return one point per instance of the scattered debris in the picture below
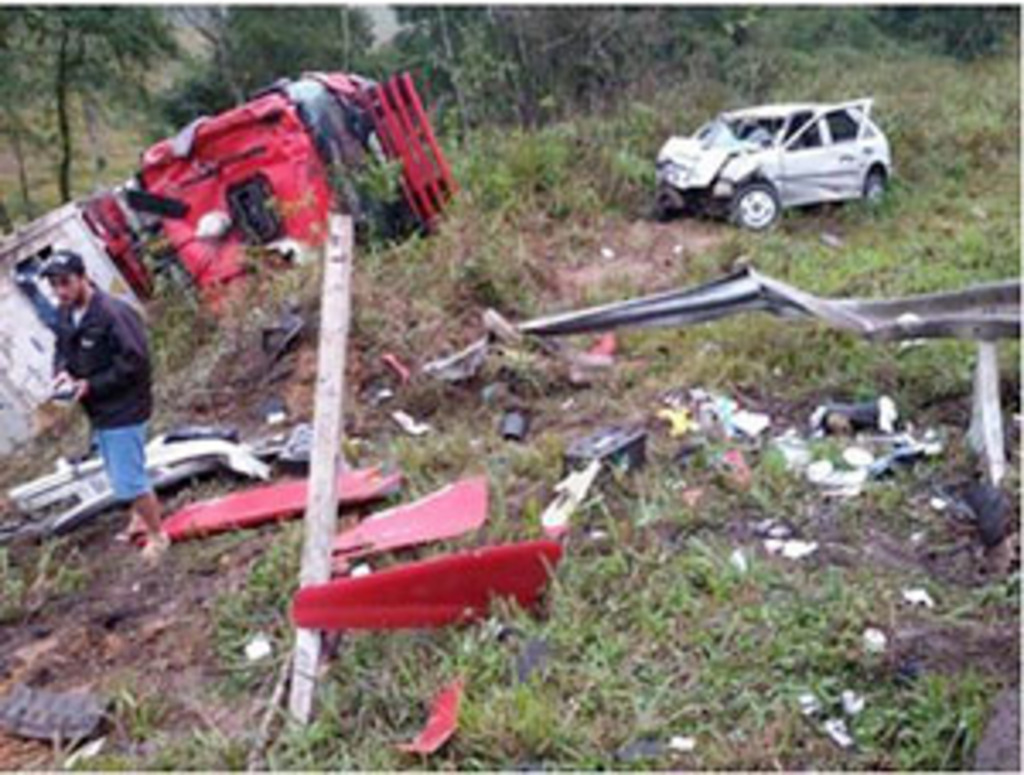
(450, 512)
(750, 424)
(277, 339)
(738, 560)
(272, 503)
(810, 705)
(858, 457)
(847, 419)
(622, 448)
(607, 254)
(794, 449)
(835, 483)
(532, 659)
(430, 593)
(830, 240)
(853, 703)
(295, 454)
(875, 641)
(836, 729)
(400, 369)
(90, 750)
(605, 347)
(40, 714)
(572, 491)
(82, 490)
(515, 424)
(938, 504)
(258, 648)
(274, 411)
(791, 549)
(360, 570)
(442, 723)
(736, 469)
(681, 744)
(918, 596)
(991, 509)
(692, 497)
(639, 750)
(410, 425)
(680, 420)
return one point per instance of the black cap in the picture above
(63, 263)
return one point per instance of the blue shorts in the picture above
(124, 459)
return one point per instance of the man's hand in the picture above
(67, 388)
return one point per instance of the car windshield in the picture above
(737, 133)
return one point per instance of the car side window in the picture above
(796, 123)
(811, 138)
(842, 126)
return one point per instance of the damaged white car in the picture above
(749, 164)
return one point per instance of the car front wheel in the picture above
(756, 206)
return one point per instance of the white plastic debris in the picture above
(598, 535)
(792, 549)
(362, 569)
(836, 729)
(853, 703)
(809, 704)
(408, 424)
(682, 744)
(939, 504)
(607, 253)
(918, 596)
(677, 250)
(794, 450)
(836, 484)
(858, 457)
(819, 471)
(917, 537)
(738, 560)
(571, 492)
(779, 531)
(875, 641)
(750, 424)
(90, 750)
(831, 240)
(258, 648)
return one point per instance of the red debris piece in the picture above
(443, 721)
(736, 469)
(447, 513)
(605, 346)
(275, 502)
(401, 370)
(432, 593)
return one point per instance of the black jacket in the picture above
(108, 349)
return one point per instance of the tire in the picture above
(875, 183)
(668, 204)
(756, 206)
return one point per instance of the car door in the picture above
(852, 153)
(811, 168)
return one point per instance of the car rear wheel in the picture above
(874, 186)
(668, 204)
(756, 206)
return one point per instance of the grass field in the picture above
(650, 629)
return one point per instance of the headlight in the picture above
(675, 175)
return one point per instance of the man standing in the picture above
(102, 362)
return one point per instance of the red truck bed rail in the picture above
(406, 135)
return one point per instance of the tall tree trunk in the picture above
(95, 135)
(63, 121)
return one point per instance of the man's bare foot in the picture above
(156, 546)
(136, 527)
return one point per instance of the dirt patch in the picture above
(644, 254)
(949, 649)
(999, 749)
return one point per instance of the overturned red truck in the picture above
(264, 174)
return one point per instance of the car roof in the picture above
(783, 109)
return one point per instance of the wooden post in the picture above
(986, 433)
(322, 504)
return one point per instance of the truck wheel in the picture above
(756, 206)
(874, 186)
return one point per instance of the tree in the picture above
(104, 53)
(249, 48)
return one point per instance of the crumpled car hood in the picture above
(700, 164)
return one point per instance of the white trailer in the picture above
(27, 305)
